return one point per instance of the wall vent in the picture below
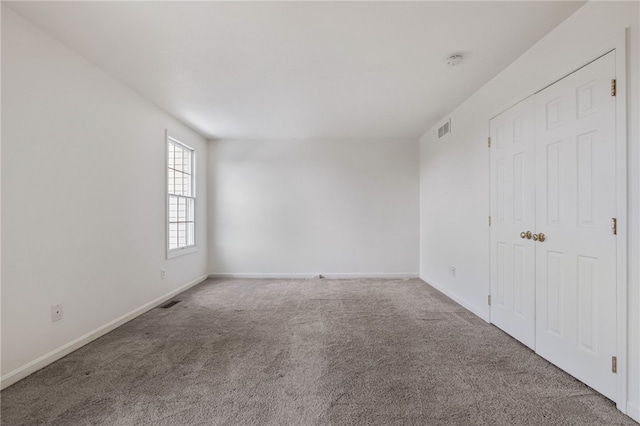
(444, 129)
(169, 304)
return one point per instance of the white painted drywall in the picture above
(287, 207)
(83, 198)
(454, 172)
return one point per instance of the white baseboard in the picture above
(264, 275)
(633, 411)
(385, 275)
(456, 298)
(37, 364)
(336, 276)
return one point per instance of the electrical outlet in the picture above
(56, 312)
(163, 274)
(452, 271)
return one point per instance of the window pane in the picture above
(182, 210)
(191, 210)
(190, 234)
(182, 237)
(173, 236)
(186, 161)
(171, 156)
(177, 183)
(177, 157)
(177, 180)
(170, 181)
(173, 209)
(185, 185)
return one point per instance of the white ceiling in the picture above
(300, 69)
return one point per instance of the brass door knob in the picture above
(523, 235)
(539, 237)
(528, 235)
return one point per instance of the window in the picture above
(181, 198)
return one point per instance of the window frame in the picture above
(180, 251)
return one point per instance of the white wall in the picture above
(287, 207)
(83, 200)
(454, 172)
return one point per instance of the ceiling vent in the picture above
(444, 129)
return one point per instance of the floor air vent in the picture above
(169, 304)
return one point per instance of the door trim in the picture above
(622, 141)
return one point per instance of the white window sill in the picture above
(181, 252)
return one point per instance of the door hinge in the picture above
(489, 142)
(614, 226)
(489, 220)
(613, 87)
(614, 364)
(489, 300)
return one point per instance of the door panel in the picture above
(575, 192)
(512, 212)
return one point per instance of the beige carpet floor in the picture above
(306, 352)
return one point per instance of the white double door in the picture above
(553, 251)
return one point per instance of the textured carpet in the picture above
(306, 352)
